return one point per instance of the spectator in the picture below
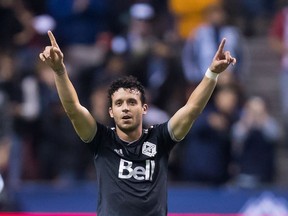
(201, 45)
(255, 137)
(11, 91)
(83, 29)
(79, 21)
(139, 36)
(160, 67)
(206, 153)
(5, 137)
(58, 157)
(16, 28)
(256, 14)
(5, 149)
(189, 15)
(278, 40)
(160, 71)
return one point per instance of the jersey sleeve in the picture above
(95, 143)
(167, 141)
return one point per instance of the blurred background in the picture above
(236, 153)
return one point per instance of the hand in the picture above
(53, 56)
(221, 59)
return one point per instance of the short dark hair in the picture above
(126, 82)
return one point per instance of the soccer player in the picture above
(131, 162)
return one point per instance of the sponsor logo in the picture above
(127, 170)
(149, 149)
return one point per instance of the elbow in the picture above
(70, 113)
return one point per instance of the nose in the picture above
(125, 107)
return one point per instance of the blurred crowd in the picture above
(168, 45)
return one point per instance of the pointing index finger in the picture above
(221, 46)
(52, 39)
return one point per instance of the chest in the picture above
(139, 161)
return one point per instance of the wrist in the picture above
(60, 71)
(211, 75)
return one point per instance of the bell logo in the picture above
(127, 171)
(149, 149)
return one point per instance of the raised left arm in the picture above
(182, 121)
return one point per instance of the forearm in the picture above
(183, 119)
(200, 96)
(82, 120)
(66, 92)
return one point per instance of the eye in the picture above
(132, 102)
(118, 103)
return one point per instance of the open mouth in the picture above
(126, 117)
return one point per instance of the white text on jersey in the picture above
(127, 171)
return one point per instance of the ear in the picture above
(145, 109)
(111, 112)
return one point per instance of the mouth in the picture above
(126, 117)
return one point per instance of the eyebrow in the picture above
(128, 99)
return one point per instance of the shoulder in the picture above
(103, 132)
(104, 136)
(163, 132)
(156, 127)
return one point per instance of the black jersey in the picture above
(132, 178)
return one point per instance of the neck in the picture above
(129, 136)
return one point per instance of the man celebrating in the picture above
(131, 162)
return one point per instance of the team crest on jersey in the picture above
(149, 149)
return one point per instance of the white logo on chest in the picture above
(149, 149)
(128, 170)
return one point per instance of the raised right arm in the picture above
(82, 120)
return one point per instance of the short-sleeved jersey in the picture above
(132, 177)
